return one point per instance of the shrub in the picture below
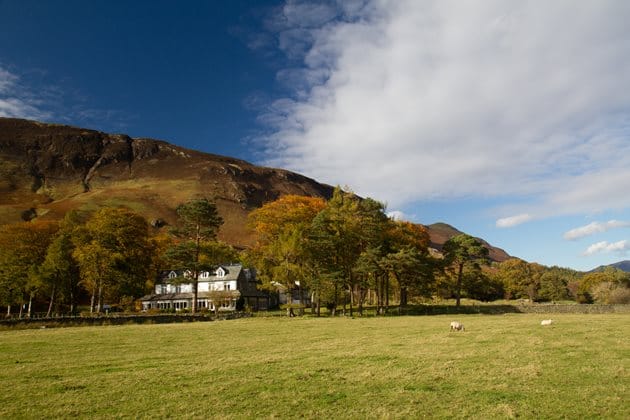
(619, 296)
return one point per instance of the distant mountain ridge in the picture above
(49, 169)
(621, 265)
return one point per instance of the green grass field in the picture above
(502, 366)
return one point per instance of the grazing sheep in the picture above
(457, 326)
(546, 322)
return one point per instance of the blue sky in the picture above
(506, 119)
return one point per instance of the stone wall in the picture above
(79, 321)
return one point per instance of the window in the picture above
(226, 286)
(178, 288)
(220, 272)
(163, 289)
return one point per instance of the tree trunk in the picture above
(93, 300)
(99, 298)
(387, 294)
(8, 310)
(458, 288)
(195, 286)
(21, 310)
(72, 309)
(360, 307)
(350, 289)
(289, 303)
(52, 299)
(403, 296)
(30, 305)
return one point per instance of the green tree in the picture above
(346, 228)
(408, 260)
(199, 222)
(463, 251)
(554, 284)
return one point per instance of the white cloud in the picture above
(413, 100)
(593, 228)
(606, 247)
(17, 101)
(512, 221)
(397, 215)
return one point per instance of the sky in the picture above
(507, 119)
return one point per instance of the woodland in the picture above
(342, 253)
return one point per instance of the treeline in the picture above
(105, 256)
(346, 252)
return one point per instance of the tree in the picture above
(59, 270)
(281, 252)
(461, 251)
(346, 228)
(199, 222)
(114, 254)
(553, 285)
(22, 250)
(408, 259)
(597, 286)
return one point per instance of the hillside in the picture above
(48, 169)
(621, 265)
(439, 233)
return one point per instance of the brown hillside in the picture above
(47, 169)
(439, 233)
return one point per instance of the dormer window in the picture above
(205, 274)
(220, 272)
(172, 275)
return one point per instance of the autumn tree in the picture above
(199, 222)
(520, 278)
(114, 254)
(22, 250)
(281, 253)
(60, 271)
(598, 285)
(463, 251)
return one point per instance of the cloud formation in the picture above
(18, 101)
(410, 100)
(605, 247)
(512, 221)
(397, 215)
(593, 228)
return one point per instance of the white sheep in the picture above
(457, 326)
(546, 322)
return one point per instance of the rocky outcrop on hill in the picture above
(47, 169)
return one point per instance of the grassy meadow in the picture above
(502, 366)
